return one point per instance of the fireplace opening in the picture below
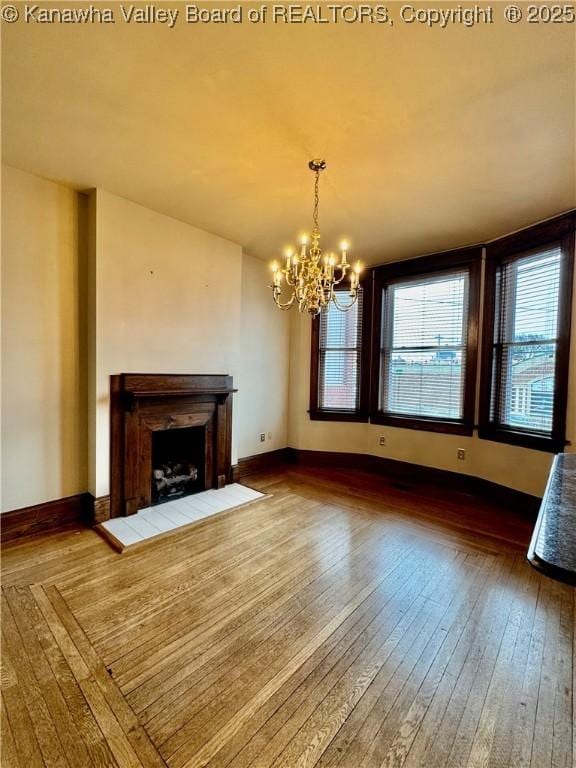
(178, 461)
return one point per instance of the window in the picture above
(340, 349)
(406, 354)
(424, 353)
(426, 358)
(527, 338)
(338, 390)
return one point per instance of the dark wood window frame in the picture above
(467, 258)
(330, 414)
(559, 230)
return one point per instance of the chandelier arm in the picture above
(283, 305)
(344, 307)
(343, 275)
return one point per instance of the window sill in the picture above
(327, 415)
(426, 425)
(522, 439)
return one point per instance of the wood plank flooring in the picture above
(340, 622)
(60, 706)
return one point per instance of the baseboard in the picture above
(413, 476)
(83, 509)
(49, 516)
(99, 509)
(405, 474)
(261, 462)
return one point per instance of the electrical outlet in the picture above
(262, 437)
(382, 441)
(462, 454)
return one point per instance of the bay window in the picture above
(526, 336)
(406, 354)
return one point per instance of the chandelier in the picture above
(308, 278)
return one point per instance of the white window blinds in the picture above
(340, 349)
(525, 341)
(423, 354)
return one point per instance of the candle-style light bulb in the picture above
(355, 276)
(344, 245)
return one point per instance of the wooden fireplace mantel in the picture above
(142, 403)
(178, 392)
(147, 384)
(129, 395)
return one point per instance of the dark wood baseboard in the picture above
(49, 516)
(261, 462)
(100, 509)
(83, 509)
(409, 476)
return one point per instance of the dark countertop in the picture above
(553, 547)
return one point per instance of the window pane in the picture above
(429, 313)
(339, 329)
(340, 357)
(528, 386)
(339, 380)
(426, 384)
(532, 301)
(525, 342)
(423, 355)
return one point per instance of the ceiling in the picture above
(434, 138)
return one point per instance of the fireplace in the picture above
(170, 436)
(178, 457)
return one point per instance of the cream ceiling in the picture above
(434, 138)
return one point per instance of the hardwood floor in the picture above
(340, 622)
(60, 706)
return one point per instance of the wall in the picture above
(43, 400)
(262, 402)
(95, 285)
(520, 468)
(166, 300)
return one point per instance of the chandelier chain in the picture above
(316, 201)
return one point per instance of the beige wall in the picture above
(43, 405)
(167, 300)
(99, 285)
(262, 402)
(520, 468)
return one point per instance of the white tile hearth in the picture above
(154, 521)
